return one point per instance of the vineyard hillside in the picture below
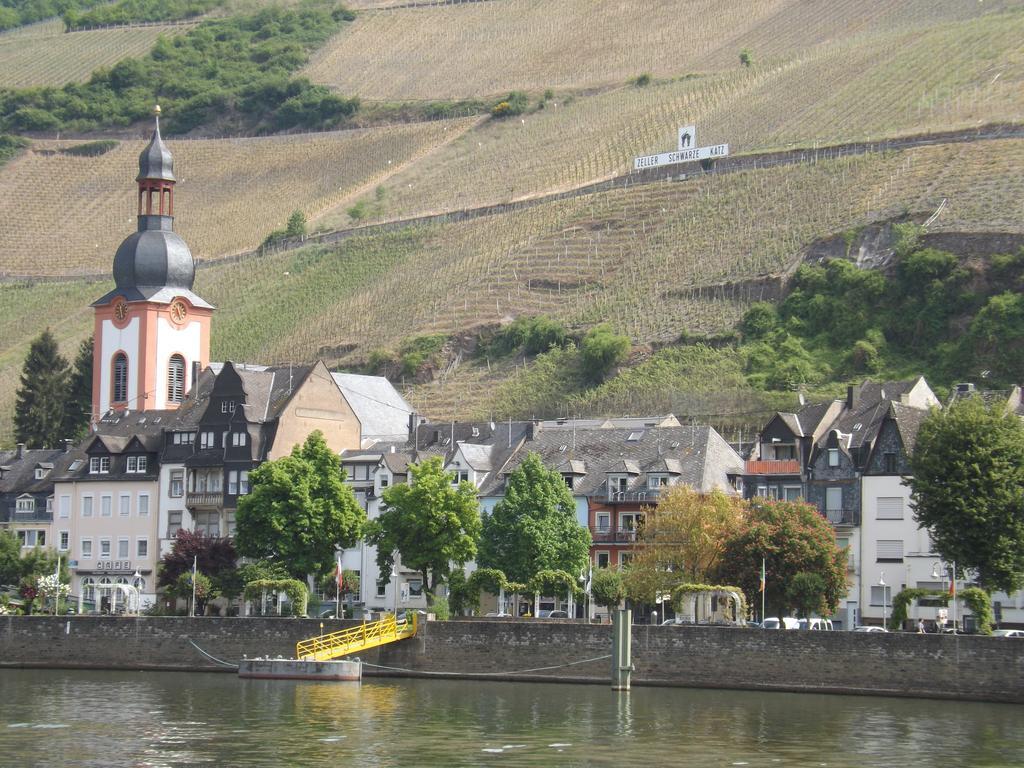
(655, 260)
(44, 54)
(464, 50)
(231, 192)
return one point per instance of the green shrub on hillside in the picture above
(516, 103)
(237, 68)
(128, 11)
(91, 148)
(416, 352)
(532, 335)
(15, 13)
(602, 350)
(9, 146)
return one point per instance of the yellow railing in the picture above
(367, 635)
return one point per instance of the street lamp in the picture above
(394, 582)
(881, 583)
(137, 583)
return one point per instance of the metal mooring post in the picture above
(622, 659)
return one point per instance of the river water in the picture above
(77, 718)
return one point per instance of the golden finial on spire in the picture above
(156, 110)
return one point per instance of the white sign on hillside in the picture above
(682, 156)
(687, 137)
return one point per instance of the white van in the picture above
(786, 622)
(819, 625)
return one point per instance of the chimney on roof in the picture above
(68, 443)
(853, 395)
(195, 374)
(21, 451)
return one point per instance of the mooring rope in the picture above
(212, 658)
(476, 674)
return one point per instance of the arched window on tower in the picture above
(120, 393)
(176, 379)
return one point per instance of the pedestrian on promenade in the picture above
(920, 626)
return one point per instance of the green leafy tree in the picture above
(79, 402)
(534, 527)
(967, 490)
(10, 558)
(607, 588)
(746, 59)
(682, 541)
(793, 538)
(806, 592)
(39, 412)
(299, 511)
(296, 224)
(431, 523)
(601, 350)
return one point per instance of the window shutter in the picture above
(890, 549)
(890, 507)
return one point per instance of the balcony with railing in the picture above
(772, 467)
(213, 499)
(638, 495)
(843, 516)
(613, 535)
(21, 516)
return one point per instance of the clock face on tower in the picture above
(178, 311)
(120, 310)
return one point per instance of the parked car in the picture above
(673, 622)
(558, 615)
(1008, 633)
(498, 615)
(786, 622)
(869, 628)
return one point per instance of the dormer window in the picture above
(657, 481)
(833, 457)
(136, 464)
(889, 463)
(99, 465)
(25, 504)
(207, 439)
(569, 480)
(618, 484)
(227, 406)
(184, 438)
(40, 473)
(238, 439)
(460, 476)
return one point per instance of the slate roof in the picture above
(908, 422)
(859, 425)
(613, 422)
(116, 431)
(382, 412)
(703, 458)
(19, 475)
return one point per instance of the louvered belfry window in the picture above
(176, 379)
(120, 378)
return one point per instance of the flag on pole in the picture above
(760, 587)
(337, 575)
(952, 585)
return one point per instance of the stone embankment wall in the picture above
(964, 667)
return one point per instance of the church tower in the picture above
(151, 329)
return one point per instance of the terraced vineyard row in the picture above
(474, 49)
(655, 260)
(231, 192)
(43, 54)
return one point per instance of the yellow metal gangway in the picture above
(361, 638)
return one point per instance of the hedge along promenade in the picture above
(963, 667)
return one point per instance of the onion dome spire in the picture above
(156, 162)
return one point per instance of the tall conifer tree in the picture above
(42, 397)
(79, 404)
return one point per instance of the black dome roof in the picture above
(154, 256)
(155, 161)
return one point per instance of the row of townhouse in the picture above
(850, 458)
(616, 469)
(112, 504)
